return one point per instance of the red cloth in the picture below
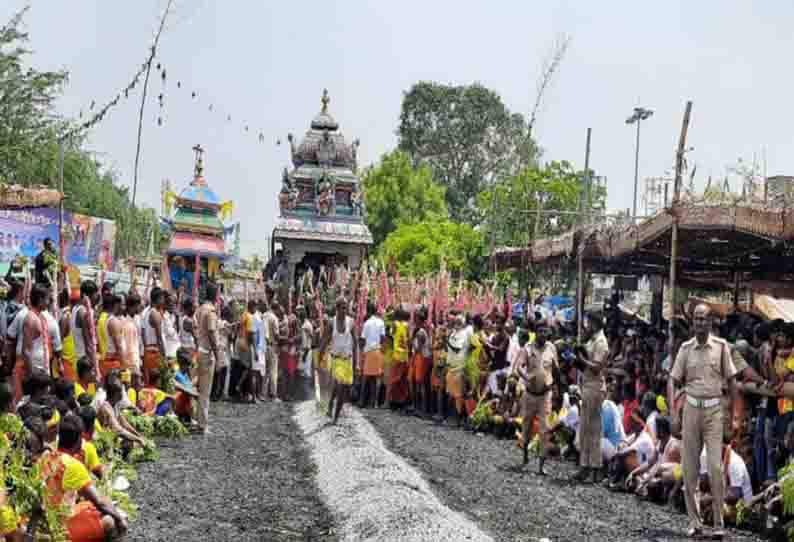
(85, 524)
(288, 362)
(628, 409)
(421, 368)
(398, 382)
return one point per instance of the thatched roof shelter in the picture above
(714, 240)
(21, 197)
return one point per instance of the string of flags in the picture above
(193, 96)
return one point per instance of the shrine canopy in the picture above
(321, 202)
(197, 224)
(190, 244)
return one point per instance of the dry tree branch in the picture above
(550, 66)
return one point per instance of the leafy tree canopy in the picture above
(29, 147)
(27, 98)
(400, 194)
(509, 207)
(467, 136)
(418, 249)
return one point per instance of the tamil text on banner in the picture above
(89, 240)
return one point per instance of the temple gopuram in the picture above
(321, 220)
(197, 247)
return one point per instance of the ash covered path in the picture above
(267, 472)
(477, 475)
(250, 480)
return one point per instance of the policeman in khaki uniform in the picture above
(536, 371)
(593, 387)
(702, 367)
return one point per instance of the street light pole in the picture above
(640, 114)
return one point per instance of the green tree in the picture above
(510, 206)
(467, 136)
(29, 148)
(27, 100)
(418, 249)
(400, 194)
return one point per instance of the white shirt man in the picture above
(373, 332)
(738, 476)
(307, 333)
(260, 363)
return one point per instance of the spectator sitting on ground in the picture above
(110, 417)
(737, 481)
(152, 401)
(183, 402)
(567, 427)
(633, 454)
(665, 477)
(89, 455)
(65, 392)
(93, 517)
(86, 378)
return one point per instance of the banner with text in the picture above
(89, 240)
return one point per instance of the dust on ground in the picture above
(251, 479)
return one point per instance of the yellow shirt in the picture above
(102, 332)
(90, 456)
(246, 327)
(132, 395)
(400, 350)
(80, 390)
(782, 368)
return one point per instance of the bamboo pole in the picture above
(679, 163)
(152, 54)
(580, 261)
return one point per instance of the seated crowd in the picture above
(522, 380)
(75, 368)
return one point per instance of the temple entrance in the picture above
(316, 260)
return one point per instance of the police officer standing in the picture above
(704, 365)
(594, 362)
(536, 371)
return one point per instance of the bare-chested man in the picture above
(152, 330)
(116, 347)
(35, 338)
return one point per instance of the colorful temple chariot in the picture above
(197, 248)
(321, 220)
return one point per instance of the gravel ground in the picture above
(374, 494)
(480, 476)
(250, 480)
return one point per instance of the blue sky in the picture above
(265, 64)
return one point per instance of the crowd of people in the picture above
(82, 362)
(661, 417)
(673, 429)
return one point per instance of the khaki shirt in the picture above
(598, 351)
(703, 369)
(540, 364)
(207, 320)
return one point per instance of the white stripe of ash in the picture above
(373, 494)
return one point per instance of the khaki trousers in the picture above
(272, 370)
(205, 373)
(590, 430)
(702, 426)
(540, 406)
